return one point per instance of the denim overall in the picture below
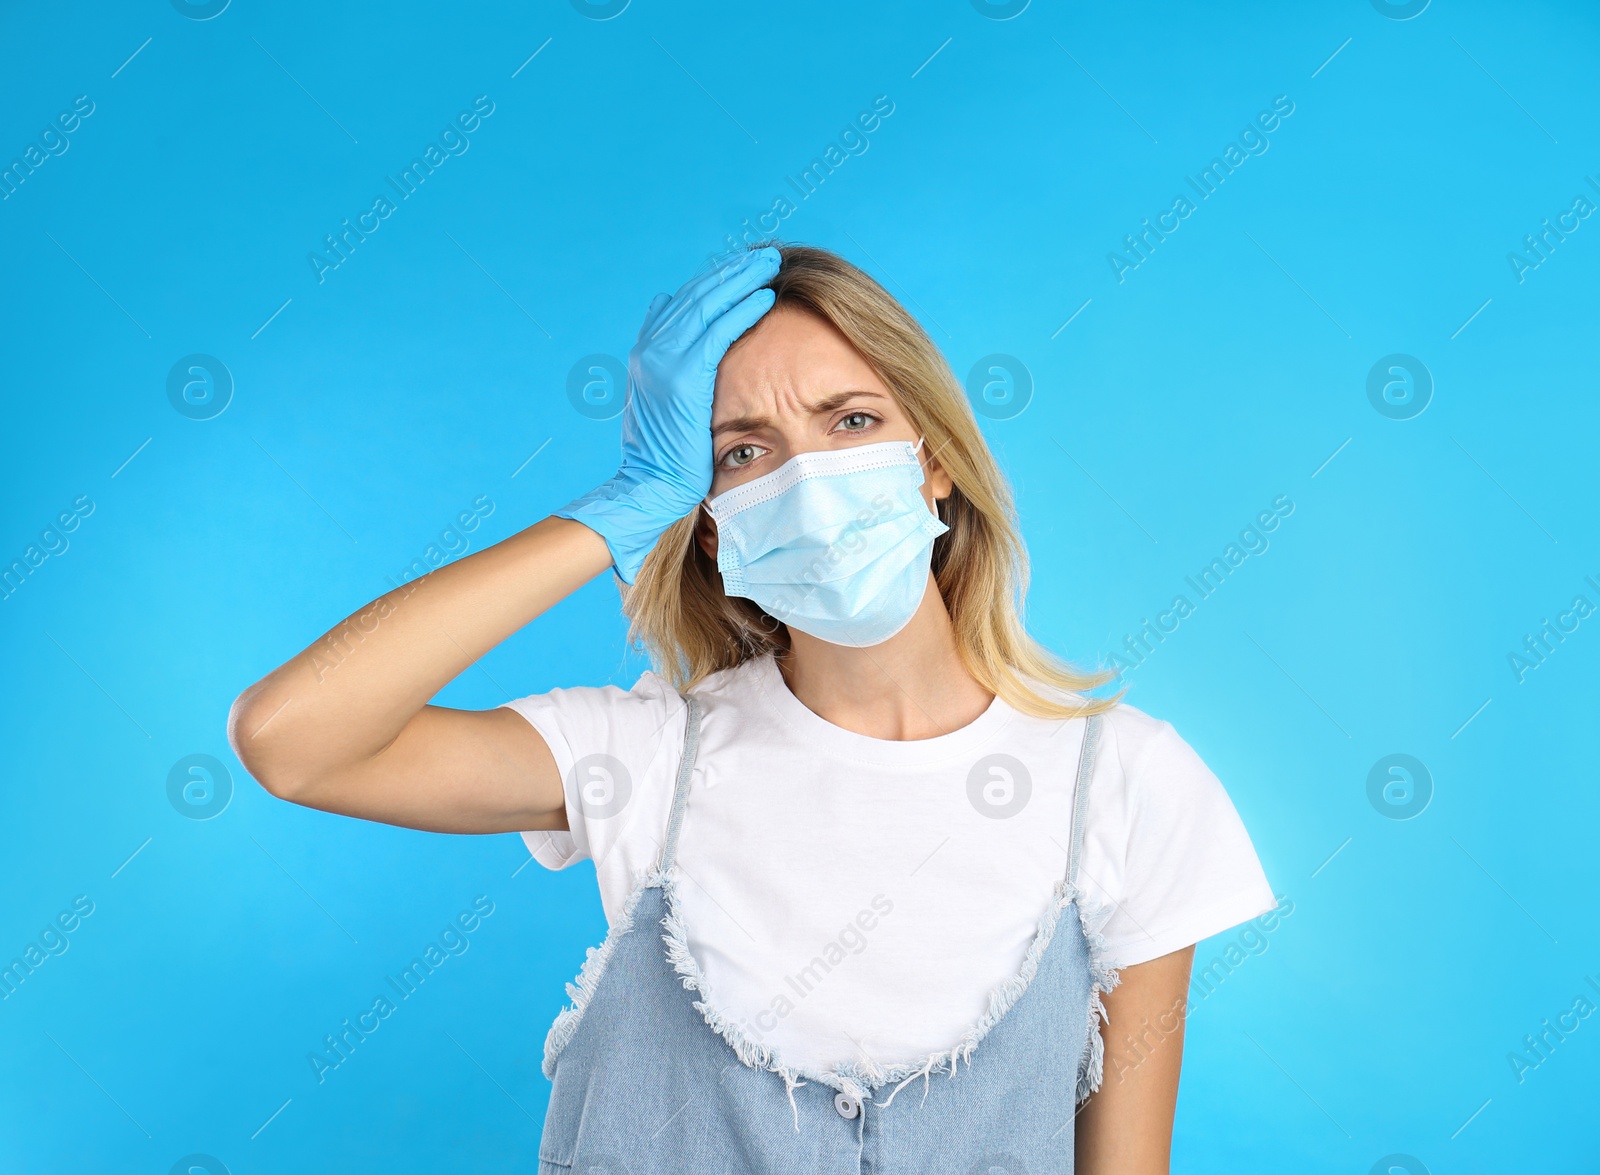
(650, 1079)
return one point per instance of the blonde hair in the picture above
(676, 606)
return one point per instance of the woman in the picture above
(860, 833)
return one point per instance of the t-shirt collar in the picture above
(816, 732)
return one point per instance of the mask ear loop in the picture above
(938, 503)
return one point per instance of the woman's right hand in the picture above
(666, 423)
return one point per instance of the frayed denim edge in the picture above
(856, 1081)
(1102, 978)
(859, 1080)
(582, 991)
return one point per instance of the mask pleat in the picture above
(836, 544)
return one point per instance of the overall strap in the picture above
(680, 793)
(1080, 801)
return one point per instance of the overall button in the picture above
(847, 1106)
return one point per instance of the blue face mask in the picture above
(835, 543)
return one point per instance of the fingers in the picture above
(722, 333)
(705, 297)
(762, 268)
(656, 305)
(721, 270)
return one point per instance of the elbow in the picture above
(258, 746)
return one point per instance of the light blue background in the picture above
(423, 372)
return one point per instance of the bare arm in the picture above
(1125, 1128)
(345, 726)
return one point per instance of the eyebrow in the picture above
(829, 403)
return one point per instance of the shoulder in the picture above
(1147, 747)
(630, 724)
(641, 726)
(732, 692)
(1149, 784)
(615, 749)
(1166, 856)
(650, 691)
(732, 683)
(1129, 738)
(1134, 728)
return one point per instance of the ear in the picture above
(705, 532)
(937, 483)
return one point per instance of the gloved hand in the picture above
(666, 421)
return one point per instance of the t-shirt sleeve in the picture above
(1165, 851)
(608, 744)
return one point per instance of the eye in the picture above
(857, 421)
(741, 455)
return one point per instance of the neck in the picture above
(912, 686)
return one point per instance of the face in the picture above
(793, 384)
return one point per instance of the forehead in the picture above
(790, 352)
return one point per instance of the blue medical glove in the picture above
(666, 421)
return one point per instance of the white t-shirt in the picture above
(849, 897)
